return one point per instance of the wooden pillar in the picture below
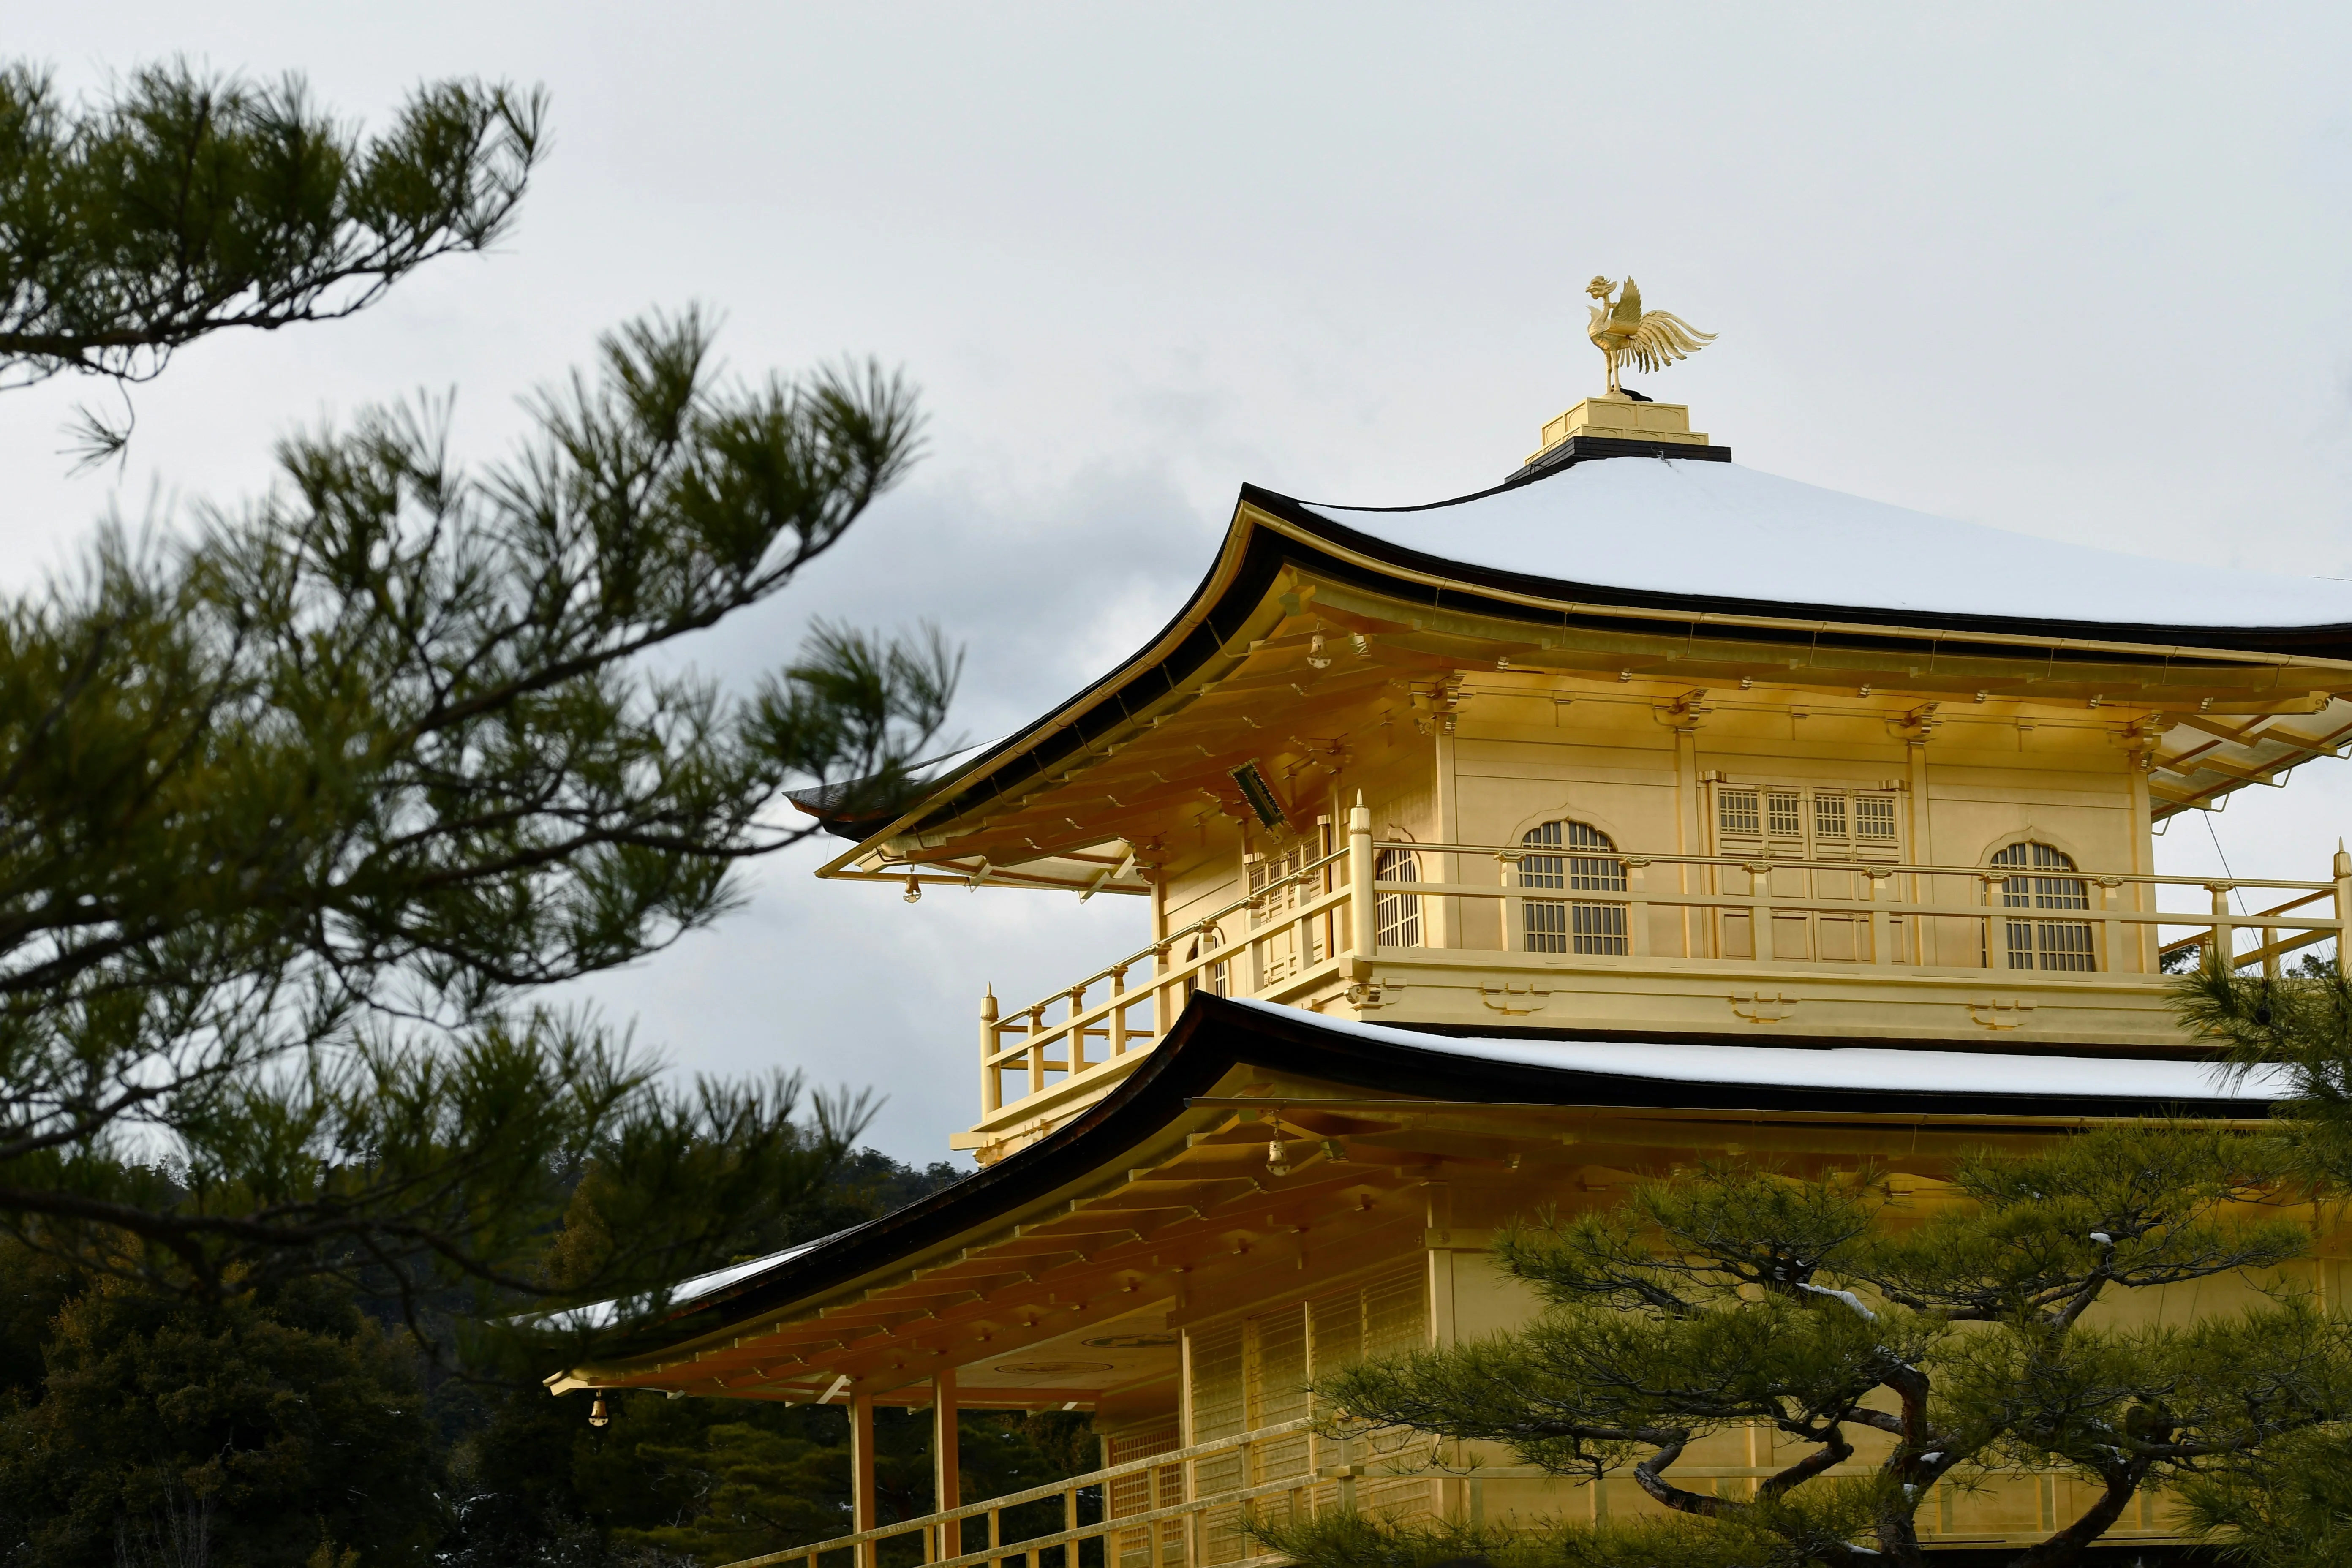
(2341, 868)
(1363, 904)
(1690, 825)
(862, 1513)
(947, 1475)
(1440, 918)
(1439, 1216)
(1923, 853)
(2145, 937)
(992, 1083)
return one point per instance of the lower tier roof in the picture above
(1219, 1045)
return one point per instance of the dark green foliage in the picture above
(306, 808)
(1786, 1532)
(306, 802)
(1964, 1336)
(2294, 1509)
(714, 1479)
(2301, 1023)
(114, 1401)
(719, 1482)
(184, 203)
(263, 1425)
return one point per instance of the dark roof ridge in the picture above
(1215, 1035)
(1537, 472)
(2287, 641)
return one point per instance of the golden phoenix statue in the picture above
(1648, 339)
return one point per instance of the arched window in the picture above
(1214, 979)
(2043, 944)
(1555, 926)
(1397, 915)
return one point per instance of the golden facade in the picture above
(1641, 810)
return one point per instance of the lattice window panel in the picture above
(2040, 944)
(1247, 1376)
(1162, 1487)
(1398, 915)
(1807, 822)
(1219, 1395)
(1277, 889)
(1277, 1389)
(1820, 823)
(1217, 978)
(1559, 926)
(1384, 1316)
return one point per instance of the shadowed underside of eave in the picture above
(1164, 1179)
(1305, 635)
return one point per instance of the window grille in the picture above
(1572, 927)
(1276, 887)
(1268, 871)
(1213, 979)
(1873, 817)
(1276, 1374)
(1398, 914)
(1805, 821)
(2043, 943)
(1384, 1316)
(1735, 813)
(1144, 1491)
(1220, 1368)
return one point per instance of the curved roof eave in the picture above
(1215, 1035)
(2331, 641)
(1237, 578)
(1167, 646)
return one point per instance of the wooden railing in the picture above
(1325, 917)
(1318, 1468)
(1224, 955)
(1192, 1512)
(2116, 904)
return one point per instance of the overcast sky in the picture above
(2077, 271)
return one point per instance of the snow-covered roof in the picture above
(1864, 1067)
(605, 1314)
(1718, 530)
(1217, 1035)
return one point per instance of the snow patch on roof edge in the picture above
(1866, 1067)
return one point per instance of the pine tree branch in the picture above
(2065, 1547)
(1834, 1451)
(1649, 1474)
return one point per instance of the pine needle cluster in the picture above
(1894, 1343)
(310, 799)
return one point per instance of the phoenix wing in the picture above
(1662, 338)
(1628, 312)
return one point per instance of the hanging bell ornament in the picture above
(597, 1414)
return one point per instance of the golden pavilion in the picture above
(1643, 809)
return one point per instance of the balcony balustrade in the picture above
(1188, 1508)
(1992, 938)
